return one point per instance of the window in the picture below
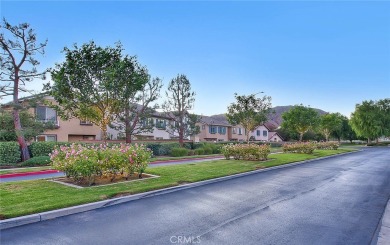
(234, 130)
(159, 138)
(203, 127)
(239, 131)
(52, 137)
(221, 130)
(85, 122)
(161, 124)
(221, 140)
(265, 133)
(258, 132)
(46, 114)
(212, 129)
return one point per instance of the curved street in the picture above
(339, 200)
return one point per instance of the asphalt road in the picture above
(333, 201)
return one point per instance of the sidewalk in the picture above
(384, 232)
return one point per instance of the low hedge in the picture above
(246, 151)
(330, 145)
(36, 161)
(303, 147)
(179, 152)
(9, 153)
(44, 148)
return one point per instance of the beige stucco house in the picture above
(64, 130)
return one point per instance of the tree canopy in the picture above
(249, 111)
(300, 119)
(94, 83)
(180, 99)
(371, 119)
(329, 123)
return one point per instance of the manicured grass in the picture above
(27, 197)
(185, 157)
(23, 170)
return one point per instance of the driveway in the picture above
(332, 201)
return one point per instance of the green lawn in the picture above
(28, 197)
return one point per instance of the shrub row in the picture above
(303, 147)
(9, 153)
(246, 151)
(309, 147)
(179, 152)
(327, 145)
(36, 161)
(85, 163)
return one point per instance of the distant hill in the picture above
(279, 110)
(274, 120)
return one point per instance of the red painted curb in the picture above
(182, 160)
(3, 176)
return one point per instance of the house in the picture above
(261, 133)
(216, 128)
(160, 131)
(274, 137)
(64, 130)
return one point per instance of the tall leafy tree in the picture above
(19, 46)
(300, 119)
(249, 111)
(92, 83)
(371, 119)
(384, 116)
(345, 131)
(329, 123)
(180, 99)
(137, 104)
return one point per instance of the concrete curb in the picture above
(23, 220)
(384, 232)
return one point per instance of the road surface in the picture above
(332, 201)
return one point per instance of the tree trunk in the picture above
(327, 137)
(368, 141)
(104, 130)
(300, 137)
(247, 136)
(18, 126)
(181, 137)
(127, 125)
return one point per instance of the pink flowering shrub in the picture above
(330, 145)
(301, 147)
(88, 162)
(246, 151)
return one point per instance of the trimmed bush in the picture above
(36, 161)
(304, 147)
(179, 152)
(85, 163)
(199, 151)
(162, 149)
(246, 151)
(9, 153)
(208, 150)
(44, 148)
(327, 145)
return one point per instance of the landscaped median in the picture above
(29, 197)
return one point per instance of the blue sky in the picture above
(329, 55)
